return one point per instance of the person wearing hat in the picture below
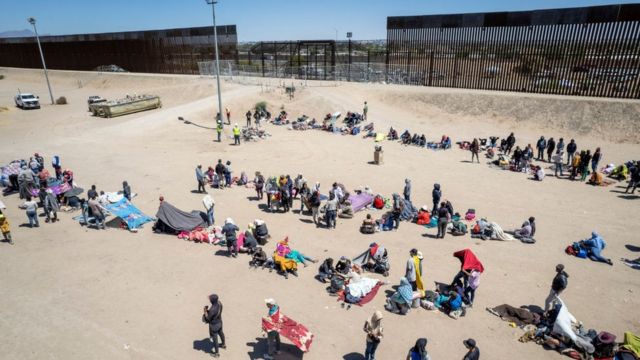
(213, 316)
(559, 283)
(473, 352)
(373, 328)
(229, 231)
(219, 130)
(273, 337)
(236, 134)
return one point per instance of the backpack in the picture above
(476, 229)
(337, 283)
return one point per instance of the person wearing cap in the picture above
(373, 328)
(236, 134)
(213, 316)
(219, 130)
(229, 231)
(419, 351)
(559, 283)
(473, 352)
(273, 337)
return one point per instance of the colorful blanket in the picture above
(297, 333)
(360, 201)
(128, 213)
(57, 189)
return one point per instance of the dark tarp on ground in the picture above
(519, 316)
(171, 218)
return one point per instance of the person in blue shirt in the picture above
(419, 351)
(594, 247)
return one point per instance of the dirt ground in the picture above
(67, 292)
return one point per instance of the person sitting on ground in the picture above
(259, 258)
(393, 134)
(346, 211)
(458, 227)
(450, 304)
(445, 142)
(250, 243)
(594, 247)
(343, 265)
(326, 270)
(368, 225)
(400, 302)
(424, 216)
(260, 231)
(285, 265)
(283, 249)
(526, 231)
(406, 137)
(539, 173)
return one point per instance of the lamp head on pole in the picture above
(31, 20)
(211, 2)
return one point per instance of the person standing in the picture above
(365, 110)
(248, 115)
(443, 220)
(236, 134)
(472, 284)
(559, 283)
(634, 179)
(200, 178)
(373, 329)
(229, 231)
(407, 189)
(331, 211)
(209, 205)
(558, 161)
(584, 165)
(219, 130)
(273, 336)
(31, 207)
(227, 173)
(473, 352)
(560, 146)
(5, 228)
(51, 205)
(220, 171)
(551, 146)
(541, 145)
(595, 160)
(475, 150)
(315, 202)
(228, 115)
(511, 140)
(419, 351)
(413, 270)
(571, 149)
(396, 212)
(436, 195)
(213, 316)
(259, 184)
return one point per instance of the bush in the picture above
(61, 101)
(261, 106)
(1, 77)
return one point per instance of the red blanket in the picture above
(469, 260)
(297, 333)
(365, 299)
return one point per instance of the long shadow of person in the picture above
(260, 348)
(205, 345)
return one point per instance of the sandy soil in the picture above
(71, 293)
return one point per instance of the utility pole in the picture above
(215, 45)
(349, 35)
(32, 21)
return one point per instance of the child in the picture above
(4, 227)
(470, 290)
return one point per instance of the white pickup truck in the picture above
(27, 101)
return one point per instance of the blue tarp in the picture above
(128, 213)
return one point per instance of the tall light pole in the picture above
(32, 21)
(215, 45)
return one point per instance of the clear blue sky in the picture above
(256, 19)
